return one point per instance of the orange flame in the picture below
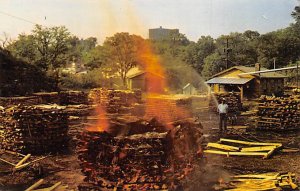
(164, 108)
(155, 75)
(102, 122)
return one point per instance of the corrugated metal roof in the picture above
(228, 80)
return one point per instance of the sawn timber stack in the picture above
(275, 113)
(33, 129)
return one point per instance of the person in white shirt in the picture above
(222, 109)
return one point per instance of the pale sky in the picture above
(103, 18)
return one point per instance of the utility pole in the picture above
(297, 79)
(227, 50)
(227, 53)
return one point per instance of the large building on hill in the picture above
(249, 85)
(161, 33)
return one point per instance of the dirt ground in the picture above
(213, 168)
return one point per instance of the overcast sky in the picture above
(103, 18)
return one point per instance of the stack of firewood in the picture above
(278, 113)
(233, 100)
(73, 97)
(33, 129)
(110, 162)
(115, 101)
(147, 161)
(7, 101)
(48, 97)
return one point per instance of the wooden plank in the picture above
(54, 187)
(247, 153)
(14, 153)
(35, 185)
(7, 162)
(23, 160)
(249, 143)
(272, 175)
(223, 147)
(263, 148)
(236, 153)
(22, 166)
(269, 154)
(216, 152)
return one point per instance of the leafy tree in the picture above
(196, 52)
(212, 65)
(121, 51)
(45, 48)
(52, 45)
(80, 48)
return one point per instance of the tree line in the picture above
(50, 49)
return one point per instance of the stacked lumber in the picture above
(276, 113)
(115, 101)
(242, 148)
(7, 101)
(48, 97)
(145, 161)
(73, 97)
(265, 181)
(130, 161)
(33, 129)
(232, 99)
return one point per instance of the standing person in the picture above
(222, 109)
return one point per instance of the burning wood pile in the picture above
(33, 129)
(115, 101)
(147, 161)
(275, 113)
(233, 100)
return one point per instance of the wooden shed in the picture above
(189, 89)
(145, 81)
(249, 85)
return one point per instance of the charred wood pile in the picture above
(115, 101)
(147, 161)
(168, 109)
(233, 100)
(276, 113)
(33, 129)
